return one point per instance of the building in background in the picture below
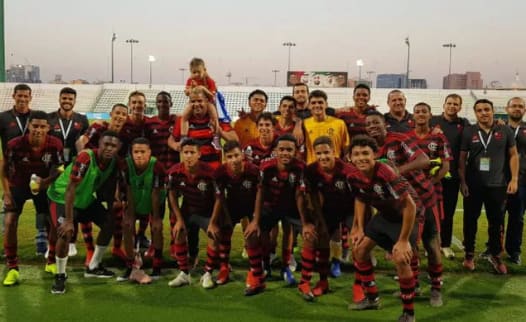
(23, 74)
(391, 81)
(469, 80)
(418, 83)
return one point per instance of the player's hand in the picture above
(297, 132)
(242, 114)
(357, 236)
(178, 228)
(252, 228)
(8, 200)
(403, 248)
(64, 228)
(309, 231)
(512, 187)
(436, 130)
(213, 231)
(464, 189)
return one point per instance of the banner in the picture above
(317, 79)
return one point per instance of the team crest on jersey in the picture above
(330, 131)
(498, 135)
(378, 190)
(292, 178)
(46, 158)
(340, 185)
(202, 186)
(475, 139)
(391, 154)
(247, 184)
(432, 146)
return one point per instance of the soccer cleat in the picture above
(126, 276)
(515, 259)
(306, 291)
(335, 268)
(89, 255)
(41, 248)
(207, 281)
(12, 277)
(156, 273)
(293, 265)
(267, 271)
(406, 317)
(435, 299)
(322, 287)
(254, 285)
(448, 252)
(366, 304)
(223, 276)
(485, 254)
(469, 263)
(51, 268)
(498, 265)
(149, 252)
(98, 272)
(358, 294)
(119, 253)
(288, 277)
(59, 285)
(72, 251)
(144, 243)
(181, 280)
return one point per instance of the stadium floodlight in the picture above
(131, 42)
(359, 63)
(450, 46)
(275, 71)
(113, 38)
(182, 74)
(408, 52)
(290, 45)
(151, 60)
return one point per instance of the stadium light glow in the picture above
(359, 63)
(290, 45)
(151, 60)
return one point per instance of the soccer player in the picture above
(392, 228)
(516, 202)
(13, 123)
(72, 197)
(35, 153)
(245, 126)
(259, 149)
(68, 126)
(452, 126)
(332, 199)
(398, 119)
(354, 117)
(280, 197)
(300, 92)
(142, 180)
(237, 181)
(488, 153)
(322, 124)
(193, 180)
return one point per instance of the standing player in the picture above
(193, 180)
(72, 197)
(259, 149)
(392, 228)
(245, 126)
(398, 119)
(35, 153)
(68, 126)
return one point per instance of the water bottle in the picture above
(34, 185)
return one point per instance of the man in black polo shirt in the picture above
(300, 92)
(516, 202)
(487, 153)
(398, 119)
(68, 126)
(13, 123)
(452, 126)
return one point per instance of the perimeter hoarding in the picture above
(317, 79)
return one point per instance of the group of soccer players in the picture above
(349, 178)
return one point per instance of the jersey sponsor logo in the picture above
(275, 179)
(155, 131)
(202, 186)
(340, 185)
(247, 184)
(432, 146)
(77, 125)
(292, 178)
(378, 190)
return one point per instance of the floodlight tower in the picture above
(2, 43)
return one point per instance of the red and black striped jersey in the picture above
(258, 153)
(385, 191)
(279, 131)
(401, 149)
(157, 132)
(22, 161)
(355, 121)
(129, 132)
(198, 191)
(239, 191)
(94, 133)
(280, 187)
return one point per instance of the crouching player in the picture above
(280, 197)
(392, 228)
(194, 181)
(237, 180)
(142, 180)
(332, 201)
(72, 198)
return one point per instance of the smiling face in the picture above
(199, 104)
(163, 104)
(257, 103)
(317, 106)
(38, 130)
(422, 115)
(119, 115)
(265, 129)
(22, 99)
(375, 126)
(287, 109)
(325, 156)
(452, 107)
(361, 97)
(137, 103)
(516, 109)
(396, 102)
(285, 151)
(484, 114)
(66, 101)
(363, 158)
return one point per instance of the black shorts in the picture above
(94, 213)
(432, 219)
(197, 221)
(237, 214)
(22, 194)
(269, 219)
(386, 233)
(333, 221)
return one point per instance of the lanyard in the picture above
(65, 133)
(22, 128)
(516, 132)
(485, 143)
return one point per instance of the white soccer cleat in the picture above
(72, 250)
(181, 280)
(206, 281)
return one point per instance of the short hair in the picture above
(68, 90)
(119, 105)
(300, 84)
(455, 96)
(195, 62)
(258, 92)
(483, 101)
(140, 140)
(288, 98)
(21, 87)
(394, 91)
(515, 98)
(363, 141)
(318, 93)
(423, 104)
(372, 112)
(198, 90)
(38, 115)
(266, 116)
(136, 93)
(287, 138)
(361, 85)
(164, 93)
(110, 133)
(231, 145)
(190, 142)
(323, 140)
